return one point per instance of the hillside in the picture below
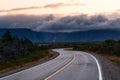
(79, 36)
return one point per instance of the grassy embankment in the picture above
(26, 61)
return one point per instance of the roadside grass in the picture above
(22, 61)
(113, 58)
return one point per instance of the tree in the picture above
(7, 37)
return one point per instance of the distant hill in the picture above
(79, 36)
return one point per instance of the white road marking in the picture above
(99, 68)
(61, 69)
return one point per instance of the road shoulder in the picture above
(110, 69)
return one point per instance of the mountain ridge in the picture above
(76, 36)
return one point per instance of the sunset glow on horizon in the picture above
(59, 7)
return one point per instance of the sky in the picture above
(60, 15)
(58, 7)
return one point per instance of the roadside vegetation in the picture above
(109, 49)
(17, 52)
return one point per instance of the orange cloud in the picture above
(16, 9)
(52, 6)
(118, 11)
(58, 5)
(19, 9)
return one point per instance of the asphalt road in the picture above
(69, 65)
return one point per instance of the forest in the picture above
(15, 51)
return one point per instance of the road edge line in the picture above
(98, 66)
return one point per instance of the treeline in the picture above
(108, 47)
(15, 51)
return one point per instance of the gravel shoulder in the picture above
(111, 70)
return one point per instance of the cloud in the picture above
(23, 21)
(58, 5)
(118, 10)
(19, 9)
(52, 6)
(51, 23)
(114, 15)
(74, 23)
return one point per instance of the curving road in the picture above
(69, 65)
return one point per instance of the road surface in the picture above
(69, 65)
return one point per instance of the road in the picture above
(69, 65)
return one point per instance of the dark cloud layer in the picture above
(52, 24)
